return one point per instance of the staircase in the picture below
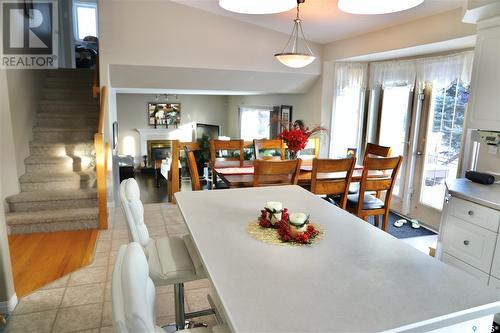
(58, 190)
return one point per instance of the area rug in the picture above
(406, 231)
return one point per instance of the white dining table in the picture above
(357, 278)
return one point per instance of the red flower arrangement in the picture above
(283, 228)
(296, 138)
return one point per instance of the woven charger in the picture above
(270, 235)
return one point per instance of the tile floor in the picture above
(81, 301)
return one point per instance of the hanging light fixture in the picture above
(372, 7)
(290, 56)
(257, 6)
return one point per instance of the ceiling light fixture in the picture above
(373, 7)
(293, 58)
(257, 6)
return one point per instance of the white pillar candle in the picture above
(274, 206)
(297, 219)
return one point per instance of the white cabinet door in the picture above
(483, 111)
(469, 243)
(481, 276)
(495, 267)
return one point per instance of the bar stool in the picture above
(171, 260)
(133, 295)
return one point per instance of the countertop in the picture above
(357, 278)
(485, 195)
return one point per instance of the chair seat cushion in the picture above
(169, 261)
(353, 188)
(369, 201)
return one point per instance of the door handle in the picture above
(419, 153)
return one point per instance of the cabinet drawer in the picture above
(452, 261)
(468, 211)
(494, 284)
(469, 243)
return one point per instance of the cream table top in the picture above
(356, 279)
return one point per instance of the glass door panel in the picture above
(394, 124)
(443, 142)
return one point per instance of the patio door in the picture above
(394, 130)
(438, 149)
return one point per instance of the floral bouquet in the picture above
(296, 138)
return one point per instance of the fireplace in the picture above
(158, 150)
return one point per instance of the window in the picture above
(346, 122)
(255, 123)
(85, 19)
(348, 107)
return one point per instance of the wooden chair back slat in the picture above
(268, 173)
(374, 150)
(218, 145)
(193, 169)
(332, 177)
(173, 175)
(274, 144)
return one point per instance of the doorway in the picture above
(425, 126)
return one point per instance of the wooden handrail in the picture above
(95, 81)
(102, 109)
(101, 155)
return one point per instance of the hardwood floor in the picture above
(38, 259)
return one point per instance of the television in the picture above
(212, 131)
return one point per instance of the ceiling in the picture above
(324, 22)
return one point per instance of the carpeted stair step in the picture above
(71, 72)
(68, 108)
(51, 200)
(85, 149)
(66, 94)
(67, 122)
(57, 134)
(52, 220)
(67, 83)
(70, 102)
(54, 181)
(49, 164)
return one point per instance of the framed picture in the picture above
(286, 115)
(164, 114)
(115, 135)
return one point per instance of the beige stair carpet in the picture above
(58, 189)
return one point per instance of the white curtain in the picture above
(392, 73)
(350, 81)
(350, 75)
(440, 71)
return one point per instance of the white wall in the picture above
(132, 114)
(428, 30)
(20, 96)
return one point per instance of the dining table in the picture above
(357, 278)
(235, 175)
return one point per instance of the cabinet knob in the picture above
(470, 212)
(466, 242)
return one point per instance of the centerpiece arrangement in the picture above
(275, 225)
(296, 136)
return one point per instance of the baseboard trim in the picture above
(8, 306)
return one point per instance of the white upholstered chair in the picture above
(171, 260)
(133, 295)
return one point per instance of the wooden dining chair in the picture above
(269, 144)
(217, 146)
(193, 169)
(269, 173)
(379, 175)
(332, 177)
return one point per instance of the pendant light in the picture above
(257, 6)
(290, 56)
(372, 7)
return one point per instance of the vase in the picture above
(292, 155)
